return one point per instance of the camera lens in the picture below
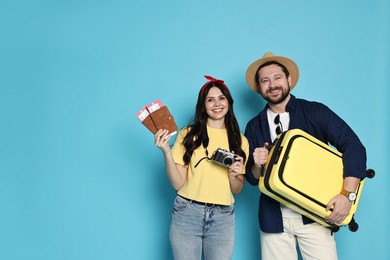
(228, 161)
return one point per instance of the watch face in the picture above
(352, 196)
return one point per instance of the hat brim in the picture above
(290, 65)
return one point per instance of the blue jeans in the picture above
(201, 229)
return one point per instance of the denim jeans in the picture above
(198, 230)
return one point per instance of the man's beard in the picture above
(280, 99)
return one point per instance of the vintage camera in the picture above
(223, 157)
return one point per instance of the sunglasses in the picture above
(278, 129)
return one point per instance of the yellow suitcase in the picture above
(304, 174)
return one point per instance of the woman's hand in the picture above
(161, 139)
(236, 177)
(237, 167)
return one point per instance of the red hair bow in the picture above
(211, 80)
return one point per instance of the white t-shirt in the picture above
(284, 125)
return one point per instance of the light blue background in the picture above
(80, 177)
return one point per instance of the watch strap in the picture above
(351, 196)
(345, 192)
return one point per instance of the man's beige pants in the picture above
(315, 242)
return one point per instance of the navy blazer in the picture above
(319, 121)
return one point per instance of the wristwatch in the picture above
(350, 195)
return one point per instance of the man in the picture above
(273, 77)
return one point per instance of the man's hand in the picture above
(260, 157)
(341, 207)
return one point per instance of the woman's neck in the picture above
(216, 123)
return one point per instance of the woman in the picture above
(203, 212)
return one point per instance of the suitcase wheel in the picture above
(370, 173)
(334, 229)
(353, 226)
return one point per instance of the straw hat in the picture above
(269, 56)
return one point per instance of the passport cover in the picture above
(160, 119)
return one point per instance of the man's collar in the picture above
(291, 103)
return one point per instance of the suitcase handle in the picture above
(274, 161)
(262, 167)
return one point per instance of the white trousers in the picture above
(314, 241)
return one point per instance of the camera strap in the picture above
(206, 157)
(205, 143)
(201, 160)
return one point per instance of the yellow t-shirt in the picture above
(209, 181)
